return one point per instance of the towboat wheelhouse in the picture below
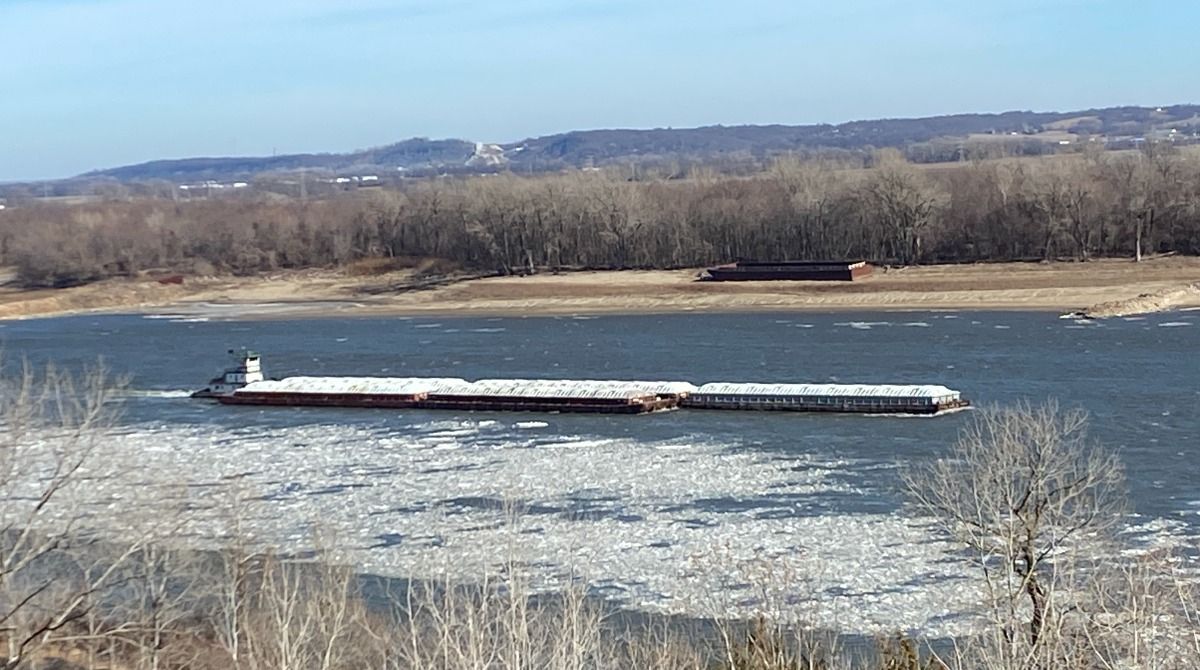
(247, 369)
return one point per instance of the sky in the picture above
(89, 84)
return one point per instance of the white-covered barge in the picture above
(244, 385)
(856, 398)
(556, 395)
(389, 392)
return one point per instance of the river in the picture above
(672, 512)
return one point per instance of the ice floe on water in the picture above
(676, 525)
(862, 325)
(868, 325)
(665, 525)
(176, 318)
(155, 393)
(199, 312)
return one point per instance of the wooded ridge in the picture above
(895, 212)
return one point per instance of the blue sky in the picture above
(87, 84)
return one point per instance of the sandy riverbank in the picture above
(1061, 287)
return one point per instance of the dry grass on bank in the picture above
(369, 291)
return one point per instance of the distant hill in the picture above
(926, 139)
(413, 153)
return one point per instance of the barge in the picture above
(554, 395)
(385, 392)
(842, 398)
(244, 384)
(789, 270)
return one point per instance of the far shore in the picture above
(1115, 287)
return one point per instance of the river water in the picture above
(675, 512)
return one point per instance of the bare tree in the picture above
(1143, 613)
(55, 568)
(1033, 500)
(902, 203)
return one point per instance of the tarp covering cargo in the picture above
(595, 385)
(556, 388)
(360, 385)
(451, 386)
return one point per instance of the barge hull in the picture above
(466, 403)
(790, 271)
(545, 405)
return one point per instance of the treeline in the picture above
(1079, 207)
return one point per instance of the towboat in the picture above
(247, 369)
